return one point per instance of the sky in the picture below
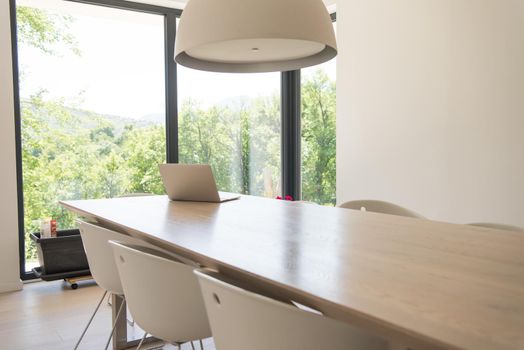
(121, 67)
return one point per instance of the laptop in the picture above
(192, 182)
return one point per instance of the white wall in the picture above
(431, 106)
(9, 269)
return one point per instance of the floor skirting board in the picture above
(11, 286)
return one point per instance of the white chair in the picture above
(242, 320)
(163, 294)
(498, 226)
(102, 264)
(380, 207)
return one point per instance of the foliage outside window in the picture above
(240, 139)
(71, 150)
(319, 138)
(319, 102)
(232, 122)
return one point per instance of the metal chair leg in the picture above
(114, 325)
(141, 341)
(201, 344)
(131, 321)
(192, 346)
(90, 320)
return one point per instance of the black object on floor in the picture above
(61, 257)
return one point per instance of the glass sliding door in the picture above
(92, 84)
(92, 98)
(233, 123)
(318, 92)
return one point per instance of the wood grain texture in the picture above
(51, 316)
(426, 284)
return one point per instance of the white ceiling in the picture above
(181, 3)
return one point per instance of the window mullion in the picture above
(291, 156)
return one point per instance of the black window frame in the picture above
(291, 134)
(290, 109)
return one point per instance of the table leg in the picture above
(120, 335)
(120, 341)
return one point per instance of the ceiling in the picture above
(181, 3)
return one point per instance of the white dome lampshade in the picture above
(249, 36)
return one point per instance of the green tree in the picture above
(74, 154)
(70, 153)
(243, 144)
(143, 149)
(241, 141)
(265, 141)
(319, 139)
(43, 30)
(39, 29)
(205, 138)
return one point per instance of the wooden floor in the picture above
(50, 315)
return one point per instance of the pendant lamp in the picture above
(249, 36)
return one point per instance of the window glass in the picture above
(92, 94)
(319, 133)
(232, 122)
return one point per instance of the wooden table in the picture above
(425, 284)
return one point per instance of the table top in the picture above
(424, 283)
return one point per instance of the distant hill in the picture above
(155, 118)
(91, 120)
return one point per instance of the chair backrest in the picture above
(241, 319)
(380, 207)
(498, 226)
(100, 256)
(162, 294)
